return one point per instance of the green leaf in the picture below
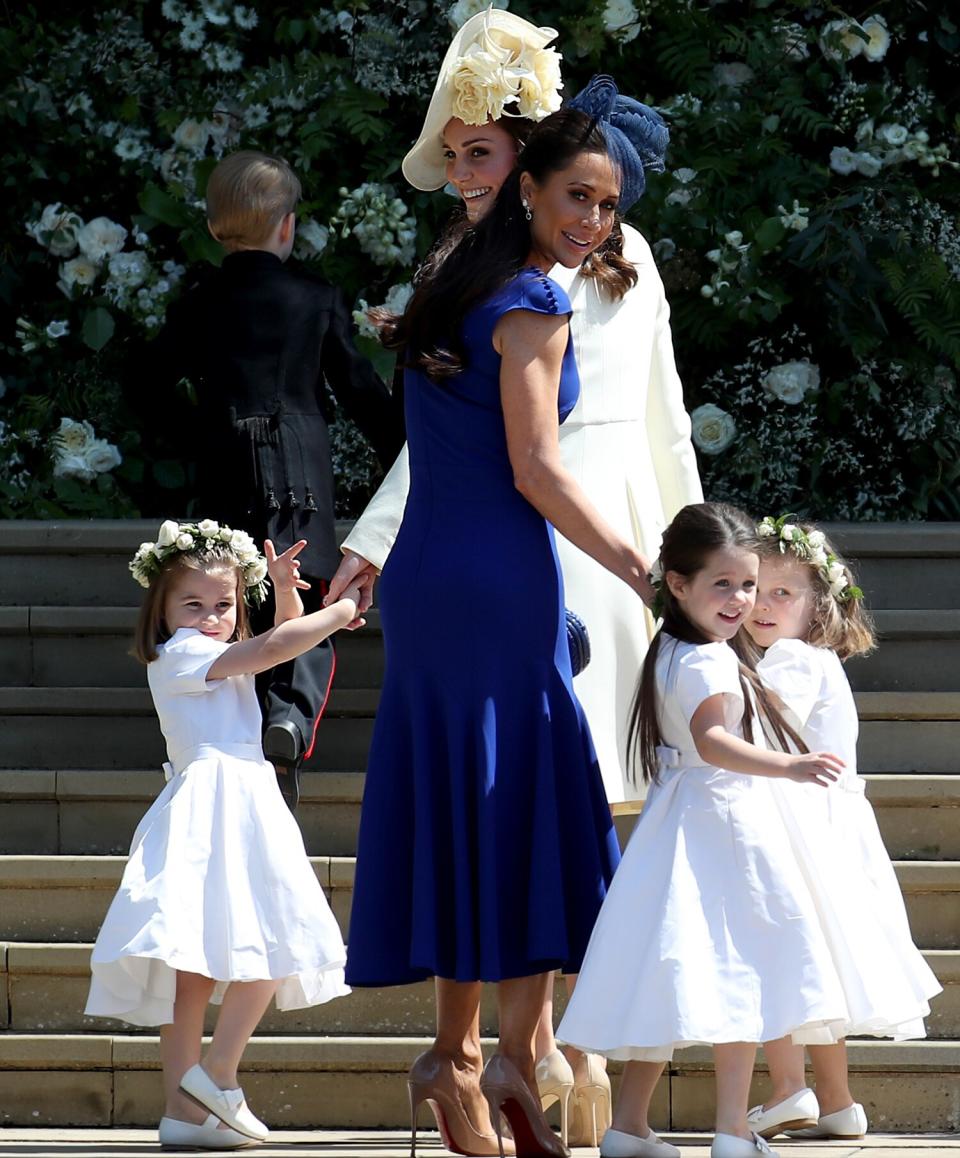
(770, 234)
(98, 327)
(162, 207)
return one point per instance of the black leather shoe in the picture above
(282, 743)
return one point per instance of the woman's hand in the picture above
(821, 768)
(353, 569)
(284, 570)
(356, 594)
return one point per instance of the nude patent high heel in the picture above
(592, 1106)
(555, 1084)
(431, 1079)
(508, 1094)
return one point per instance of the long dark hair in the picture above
(694, 535)
(487, 255)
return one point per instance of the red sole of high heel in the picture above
(524, 1138)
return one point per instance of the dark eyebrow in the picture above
(466, 144)
(591, 187)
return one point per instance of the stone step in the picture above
(90, 646)
(84, 811)
(45, 986)
(900, 565)
(116, 728)
(358, 1082)
(64, 898)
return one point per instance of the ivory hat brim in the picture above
(424, 166)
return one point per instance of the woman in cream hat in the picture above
(627, 440)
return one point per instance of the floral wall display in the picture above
(806, 227)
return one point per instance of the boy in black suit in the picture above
(257, 341)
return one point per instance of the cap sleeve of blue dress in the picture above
(792, 669)
(710, 669)
(534, 291)
(182, 663)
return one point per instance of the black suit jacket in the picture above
(257, 340)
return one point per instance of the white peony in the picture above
(102, 456)
(713, 429)
(208, 528)
(59, 226)
(192, 136)
(842, 161)
(129, 269)
(101, 238)
(169, 530)
(878, 38)
(184, 541)
(75, 436)
(791, 381)
(79, 271)
(621, 20)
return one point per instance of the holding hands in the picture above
(354, 572)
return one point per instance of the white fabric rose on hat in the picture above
(713, 429)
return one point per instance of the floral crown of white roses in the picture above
(490, 75)
(810, 547)
(195, 539)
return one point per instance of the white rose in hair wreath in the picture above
(184, 542)
(169, 530)
(256, 572)
(208, 528)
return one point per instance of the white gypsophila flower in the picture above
(167, 536)
(839, 40)
(256, 115)
(128, 148)
(894, 135)
(193, 39)
(57, 229)
(101, 238)
(791, 381)
(228, 59)
(245, 17)
(816, 539)
(78, 271)
(621, 20)
(788, 531)
(796, 218)
(192, 136)
(184, 541)
(878, 38)
(75, 436)
(460, 12)
(215, 13)
(58, 329)
(713, 429)
(664, 249)
(208, 528)
(312, 238)
(129, 270)
(256, 572)
(867, 164)
(69, 465)
(733, 75)
(102, 456)
(843, 161)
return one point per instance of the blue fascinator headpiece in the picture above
(636, 135)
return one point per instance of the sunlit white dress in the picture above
(217, 882)
(712, 930)
(835, 832)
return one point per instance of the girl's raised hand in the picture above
(814, 768)
(284, 570)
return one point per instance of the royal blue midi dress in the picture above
(486, 843)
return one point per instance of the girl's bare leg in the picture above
(637, 1085)
(833, 1082)
(733, 1065)
(787, 1073)
(180, 1045)
(244, 1004)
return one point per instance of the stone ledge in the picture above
(867, 540)
(79, 701)
(89, 536)
(908, 705)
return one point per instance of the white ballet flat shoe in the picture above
(848, 1123)
(208, 1136)
(620, 1144)
(230, 1106)
(730, 1146)
(800, 1111)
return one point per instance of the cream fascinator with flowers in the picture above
(498, 65)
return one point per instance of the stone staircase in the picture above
(79, 763)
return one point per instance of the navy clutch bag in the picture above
(578, 641)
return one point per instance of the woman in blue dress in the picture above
(486, 843)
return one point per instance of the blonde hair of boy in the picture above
(248, 195)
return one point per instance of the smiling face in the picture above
(574, 210)
(718, 598)
(479, 158)
(205, 600)
(786, 601)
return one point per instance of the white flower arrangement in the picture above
(78, 453)
(205, 537)
(810, 547)
(498, 71)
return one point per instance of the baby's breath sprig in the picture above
(193, 538)
(810, 547)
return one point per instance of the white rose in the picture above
(868, 164)
(192, 136)
(225, 535)
(791, 381)
(818, 557)
(77, 271)
(842, 160)
(835, 572)
(713, 429)
(788, 531)
(255, 572)
(102, 456)
(169, 530)
(208, 528)
(839, 41)
(878, 38)
(621, 20)
(101, 238)
(816, 539)
(895, 135)
(70, 465)
(241, 543)
(184, 541)
(75, 436)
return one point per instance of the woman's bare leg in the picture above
(458, 1037)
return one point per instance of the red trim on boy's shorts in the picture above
(324, 587)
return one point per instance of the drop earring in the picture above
(527, 210)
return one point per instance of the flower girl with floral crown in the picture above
(218, 900)
(808, 618)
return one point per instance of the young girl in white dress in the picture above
(709, 933)
(218, 900)
(807, 619)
